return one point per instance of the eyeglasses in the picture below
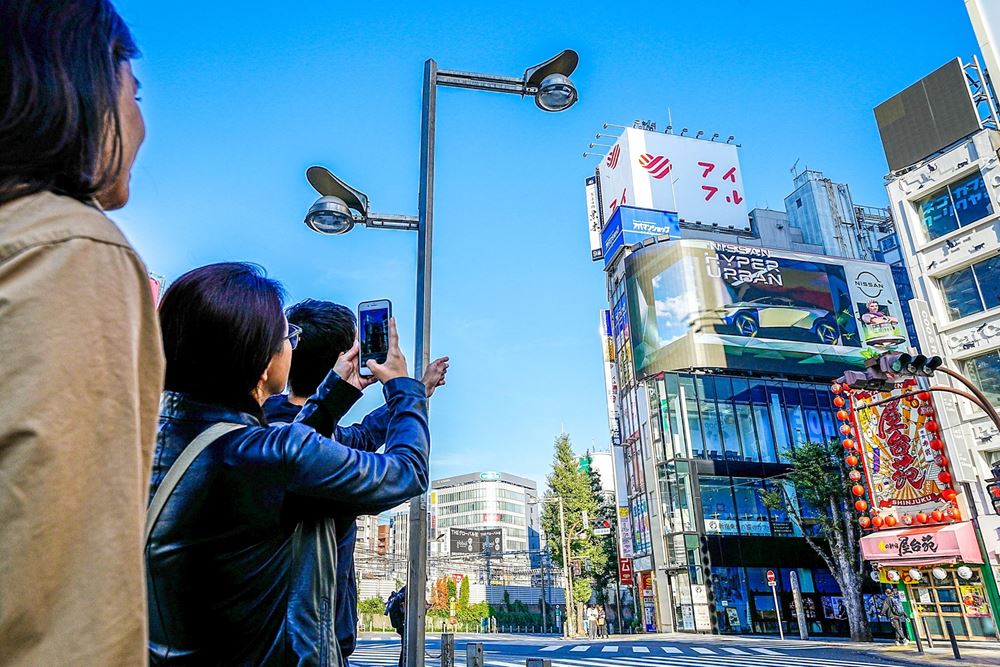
(293, 335)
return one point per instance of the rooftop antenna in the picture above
(794, 166)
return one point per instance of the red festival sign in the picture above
(901, 466)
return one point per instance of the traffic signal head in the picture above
(914, 364)
(871, 378)
(993, 491)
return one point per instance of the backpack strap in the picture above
(180, 466)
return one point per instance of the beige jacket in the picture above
(81, 370)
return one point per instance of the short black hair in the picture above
(221, 325)
(328, 330)
(59, 84)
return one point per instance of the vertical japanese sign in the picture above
(594, 218)
(700, 180)
(902, 466)
(610, 375)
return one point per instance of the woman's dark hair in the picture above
(59, 83)
(328, 330)
(221, 325)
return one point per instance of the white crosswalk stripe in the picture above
(499, 654)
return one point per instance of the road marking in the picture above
(581, 647)
(734, 651)
(765, 651)
(609, 649)
(550, 648)
(670, 649)
(702, 650)
(640, 649)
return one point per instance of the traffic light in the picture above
(912, 364)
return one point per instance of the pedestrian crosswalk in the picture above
(386, 653)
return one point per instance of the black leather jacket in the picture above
(241, 564)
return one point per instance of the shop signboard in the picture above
(593, 218)
(630, 225)
(625, 571)
(900, 464)
(920, 546)
(701, 180)
(610, 375)
(704, 304)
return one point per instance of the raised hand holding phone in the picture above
(349, 371)
(395, 363)
(373, 331)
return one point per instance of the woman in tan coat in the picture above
(81, 360)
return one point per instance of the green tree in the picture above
(452, 591)
(372, 606)
(463, 594)
(582, 498)
(817, 481)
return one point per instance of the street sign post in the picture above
(777, 608)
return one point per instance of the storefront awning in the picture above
(927, 545)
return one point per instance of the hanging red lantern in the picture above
(890, 521)
(845, 429)
(944, 477)
(848, 444)
(877, 521)
(949, 494)
(936, 516)
(864, 521)
(921, 517)
(842, 415)
(949, 514)
(854, 475)
(956, 514)
(839, 401)
(835, 388)
(907, 520)
(932, 426)
(943, 461)
(860, 505)
(858, 490)
(852, 461)
(936, 444)
(924, 396)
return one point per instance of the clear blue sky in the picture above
(240, 97)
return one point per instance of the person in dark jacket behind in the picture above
(395, 609)
(240, 564)
(329, 331)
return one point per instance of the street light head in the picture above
(327, 184)
(330, 215)
(555, 93)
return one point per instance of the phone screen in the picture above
(373, 330)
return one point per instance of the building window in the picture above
(718, 509)
(954, 206)
(984, 370)
(798, 203)
(973, 289)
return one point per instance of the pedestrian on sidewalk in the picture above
(395, 609)
(592, 622)
(328, 332)
(602, 620)
(81, 360)
(228, 577)
(892, 608)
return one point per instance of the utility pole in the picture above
(566, 571)
(544, 617)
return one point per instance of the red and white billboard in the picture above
(698, 179)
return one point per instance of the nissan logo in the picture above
(869, 284)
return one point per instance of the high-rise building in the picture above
(941, 142)
(724, 330)
(486, 501)
(398, 543)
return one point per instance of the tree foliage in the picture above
(818, 483)
(463, 594)
(372, 606)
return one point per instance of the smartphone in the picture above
(373, 332)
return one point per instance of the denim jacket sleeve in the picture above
(325, 469)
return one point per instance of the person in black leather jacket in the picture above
(241, 562)
(328, 331)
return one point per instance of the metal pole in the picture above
(986, 405)
(568, 593)
(951, 638)
(916, 633)
(544, 619)
(777, 610)
(927, 631)
(417, 575)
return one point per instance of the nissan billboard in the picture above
(704, 304)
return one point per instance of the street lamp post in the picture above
(568, 591)
(549, 83)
